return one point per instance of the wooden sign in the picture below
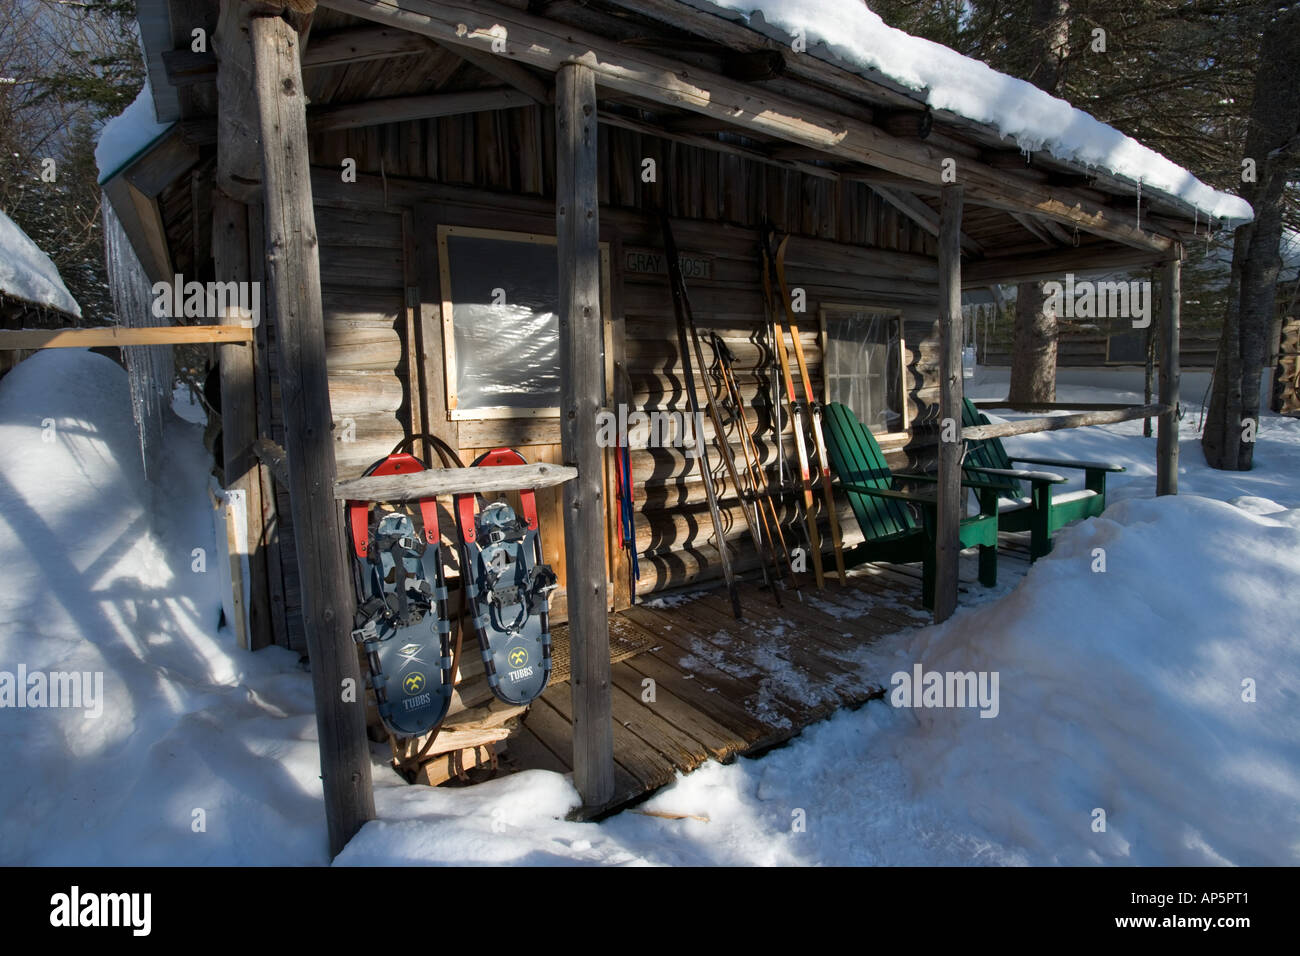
(654, 262)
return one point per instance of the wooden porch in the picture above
(724, 688)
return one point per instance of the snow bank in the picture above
(1123, 690)
(1120, 691)
(128, 134)
(848, 32)
(29, 274)
(100, 578)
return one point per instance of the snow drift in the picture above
(1161, 691)
(100, 577)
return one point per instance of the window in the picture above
(500, 322)
(863, 364)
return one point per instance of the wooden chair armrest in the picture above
(1063, 463)
(1035, 477)
(965, 482)
(887, 493)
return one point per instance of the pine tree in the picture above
(79, 64)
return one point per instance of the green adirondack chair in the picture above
(1041, 512)
(893, 531)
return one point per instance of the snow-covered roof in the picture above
(128, 134)
(847, 33)
(27, 273)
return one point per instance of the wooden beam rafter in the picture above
(400, 109)
(620, 68)
(921, 214)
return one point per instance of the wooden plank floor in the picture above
(724, 688)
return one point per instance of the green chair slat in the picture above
(987, 453)
(858, 460)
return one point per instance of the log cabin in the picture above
(453, 214)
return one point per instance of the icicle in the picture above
(1139, 204)
(150, 368)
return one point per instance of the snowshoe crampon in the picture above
(402, 621)
(508, 587)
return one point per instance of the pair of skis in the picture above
(402, 621)
(688, 343)
(756, 490)
(774, 283)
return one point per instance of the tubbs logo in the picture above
(413, 683)
(518, 657)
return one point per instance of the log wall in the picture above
(496, 171)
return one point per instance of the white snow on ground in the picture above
(29, 274)
(1119, 690)
(98, 578)
(854, 35)
(128, 133)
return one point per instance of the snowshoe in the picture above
(508, 587)
(402, 621)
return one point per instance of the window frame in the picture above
(454, 411)
(829, 309)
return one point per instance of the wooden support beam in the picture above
(1167, 428)
(185, 67)
(903, 123)
(294, 275)
(113, 336)
(1054, 406)
(1054, 265)
(340, 47)
(162, 165)
(239, 412)
(701, 141)
(399, 109)
(921, 214)
(274, 457)
(1029, 426)
(1035, 229)
(948, 492)
(506, 70)
(239, 159)
(577, 232)
(623, 68)
(453, 481)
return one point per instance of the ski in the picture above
(758, 490)
(796, 407)
(401, 621)
(815, 409)
(682, 310)
(507, 586)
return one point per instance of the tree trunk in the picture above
(1033, 350)
(1233, 418)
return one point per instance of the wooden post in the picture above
(577, 231)
(239, 409)
(1167, 430)
(949, 490)
(1149, 377)
(294, 274)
